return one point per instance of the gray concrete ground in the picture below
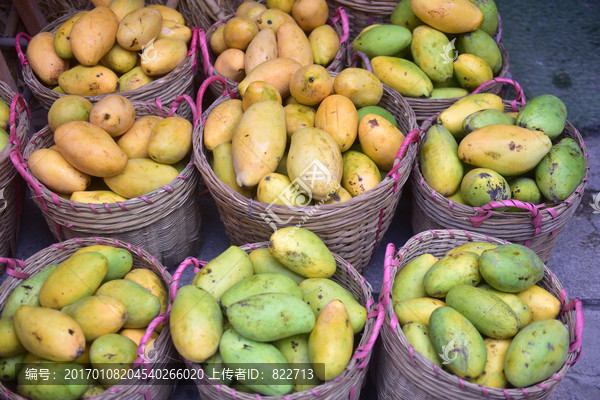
(554, 48)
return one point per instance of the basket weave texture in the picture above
(537, 226)
(403, 373)
(349, 383)
(351, 229)
(12, 187)
(163, 352)
(146, 221)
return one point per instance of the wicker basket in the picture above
(163, 352)
(351, 229)
(167, 88)
(339, 22)
(349, 383)
(402, 373)
(146, 221)
(12, 187)
(537, 228)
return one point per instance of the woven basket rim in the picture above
(7, 172)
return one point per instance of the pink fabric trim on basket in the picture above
(177, 275)
(20, 54)
(12, 265)
(520, 98)
(141, 351)
(204, 87)
(340, 14)
(208, 68)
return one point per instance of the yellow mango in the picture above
(222, 166)
(439, 162)
(239, 32)
(134, 142)
(49, 333)
(331, 341)
(273, 19)
(141, 176)
(230, 64)
(120, 260)
(359, 85)
(174, 30)
(293, 43)
(44, 61)
(452, 118)
(543, 304)
(471, 71)
(311, 84)
(138, 28)
(380, 140)
(9, 342)
(171, 140)
(168, 13)
(276, 188)
(324, 43)
(402, 75)
(96, 197)
(338, 116)
(360, 173)
(97, 315)
(142, 306)
(93, 35)
(119, 59)
(457, 16)
(264, 262)
(263, 47)
(113, 113)
(298, 116)
(50, 168)
(339, 197)
(112, 355)
(136, 335)
(417, 310)
(152, 283)
(68, 108)
(62, 40)
(277, 72)
(163, 56)
(310, 14)
(133, 79)
(259, 91)
(123, 7)
(425, 48)
(88, 81)
(473, 247)
(75, 278)
(408, 283)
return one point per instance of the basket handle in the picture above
(20, 165)
(206, 65)
(12, 122)
(142, 359)
(204, 87)
(386, 289)
(520, 94)
(20, 54)
(363, 352)
(579, 323)
(412, 137)
(340, 15)
(177, 101)
(194, 48)
(364, 58)
(177, 275)
(13, 266)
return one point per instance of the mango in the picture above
(133, 79)
(473, 247)
(260, 284)
(449, 271)
(457, 198)
(298, 116)
(222, 166)
(168, 13)
(452, 118)
(220, 123)
(138, 28)
(408, 282)
(561, 170)
(261, 48)
(338, 116)
(66, 381)
(525, 189)
(490, 16)
(519, 307)
(361, 86)
(383, 40)
(402, 75)
(217, 41)
(237, 350)
(482, 118)
(152, 283)
(196, 323)
(417, 335)
(324, 43)
(310, 14)
(378, 111)
(9, 342)
(68, 108)
(458, 16)
(264, 262)
(47, 65)
(536, 352)
(295, 351)
(170, 140)
(136, 335)
(380, 140)
(142, 306)
(417, 310)
(259, 91)
(27, 293)
(511, 267)
(119, 260)
(97, 315)
(425, 48)
(546, 113)
(439, 162)
(483, 46)
(272, 18)
(213, 368)
(493, 372)
(95, 389)
(230, 64)
(293, 43)
(49, 333)
(173, 30)
(360, 173)
(404, 16)
(123, 7)
(224, 271)
(311, 84)
(93, 35)
(471, 71)
(88, 81)
(277, 72)
(113, 113)
(56, 173)
(119, 60)
(10, 367)
(331, 342)
(318, 292)
(112, 352)
(303, 252)
(163, 56)
(483, 185)
(542, 303)
(141, 176)
(134, 142)
(447, 93)
(62, 40)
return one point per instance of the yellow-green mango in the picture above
(473, 247)
(490, 16)
(546, 113)
(428, 48)
(454, 336)
(378, 111)
(49, 333)
(439, 161)
(303, 252)
(471, 71)
(142, 306)
(95, 389)
(221, 122)
(483, 185)
(88, 81)
(449, 271)
(10, 367)
(493, 372)
(264, 357)
(298, 116)
(224, 271)
(133, 79)
(519, 307)
(120, 60)
(75, 278)
(487, 312)
(264, 262)
(27, 292)
(457, 16)
(451, 83)
(97, 315)
(324, 43)
(141, 176)
(295, 351)
(536, 352)
(223, 168)
(362, 87)
(452, 117)
(270, 316)
(360, 173)
(62, 40)
(408, 283)
(112, 353)
(404, 16)
(69, 108)
(511, 268)
(259, 141)
(119, 260)
(417, 310)
(4, 113)
(213, 368)
(457, 198)
(276, 188)
(482, 118)
(561, 170)
(163, 56)
(152, 282)
(525, 189)
(342, 195)
(542, 303)
(171, 140)
(3, 139)
(402, 75)
(318, 292)
(196, 323)
(417, 335)
(331, 342)
(382, 40)
(65, 381)
(259, 284)
(483, 46)
(447, 92)
(9, 342)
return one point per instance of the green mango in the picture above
(449, 271)
(403, 76)
(521, 310)
(473, 247)
(428, 49)
(408, 283)
(448, 92)
(263, 262)
(483, 185)
(223, 168)
(461, 345)
(457, 198)
(4, 113)
(142, 306)
(536, 352)
(264, 357)
(3, 139)
(482, 118)
(546, 113)
(511, 268)
(318, 292)
(213, 368)
(417, 310)
(295, 351)
(258, 284)
(451, 83)
(487, 312)
(483, 46)
(490, 16)
(525, 189)
(224, 271)
(9, 342)
(417, 334)
(58, 386)
(270, 316)
(403, 15)
(561, 170)
(69, 108)
(378, 111)
(112, 352)
(382, 40)
(120, 260)
(439, 162)
(10, 367)
(27, 292)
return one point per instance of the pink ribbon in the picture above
(520, 94)
(340, 14)
(204, 87)
(12, 266)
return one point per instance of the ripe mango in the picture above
(136, 335)
(483, 185)
(482, 118)
(264, 262)
(452, 117)
(408, 283)
(134, 142)
(360, 173)
(428, 51)
(471, 71)
(293, 43)
(93, 35)
(380, 140)
(163, 56)
(277, 72)
(295, 351)
(221, 122)
(260, 284)
(449, 271)
(511, 267)
(47, 65)
(174, 30)
(310, 14)
(230, 64)
(417, 310)
(525, 189)
(60, 383)
(457, 16)
(56, 173)
(473, 247)
(483, 46)
(123, 7)
(404, 16)
(112, 352)
(142, 306)
(170, 140)
(9, 342)
(417, 335)
(113, 113)
(519, 307)
(119, 59)
(222, 165)
(361, 86)
(133, 79)
(27, 292)
(439, 162)
(383, 40)
(338, 116)
(88, 81)
(561, 170)
(168, 13)
(378, 111)
(97, 315)
(138, 28)
(297, 116)
(141, 176)
(62, 39)
(493, 372)
(119, 260)
(263, 47)
(402, 75)
(324, 43)
(542, 303)
(546, 113)
(447, 92)
(272, 18)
